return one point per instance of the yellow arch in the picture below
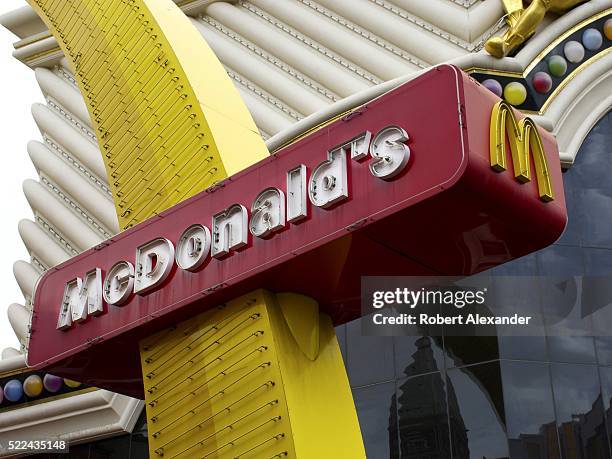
(169, 121)
(524, 140)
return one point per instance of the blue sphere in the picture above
(13, 390)
(592, 39)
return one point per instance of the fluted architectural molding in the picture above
(10, 352)
(583, 102)
(295, 58)
(76, 143)
(13, 363)
(77, 187)
(64, 93)
(54, 212)
(315, 62)
(19, 318)
(87, 416)
(310, 19)
(26, 276)
(43, 245)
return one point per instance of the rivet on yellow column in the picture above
(234, 383)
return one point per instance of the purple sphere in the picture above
(494, 86)
(52, 383)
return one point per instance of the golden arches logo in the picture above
(525, 141)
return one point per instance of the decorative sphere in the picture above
(1, 395)
(574, 51)
(557, 65)
(608, 29)
(542, 82)
(515, 93)
(52, 383)
(33, 386)
(72, 384)
(494, 86)
(13, 390)
(592, 39)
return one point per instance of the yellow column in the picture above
(259, 377)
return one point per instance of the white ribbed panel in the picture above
(43, 245)
(19, 318)
(26, 276)
(308, 60)
(52, 210)
(65, 94)
(376, 60)
(72, 141)
(9, 352)
(270, 120)
(78, 188)
(266, 75)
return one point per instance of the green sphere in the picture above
(557, 66)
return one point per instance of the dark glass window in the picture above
(598, 262)
(369, 358)
(116, 447)
(530, 413)
(596, 214)
(466, 350)
(523, 348)
(139, 443)
(524, 266)
(606, 383)
(578, 349)
(560, 260)
(416, 355)
(604, 350)
(476, 412)
(422, 417)
(377, 410)
(580, 420)
(572, 234)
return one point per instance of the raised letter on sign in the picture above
(296, 194)
(230, 230)
(81, 298)
(193, 247)
(328, 184)
(119, 283)
(358, 146)
(154, 261)
(389, 152)
(268, 213)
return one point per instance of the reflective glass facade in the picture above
(492, 398)
(524, 398)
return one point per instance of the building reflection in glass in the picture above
(580, 412)
(498, 409)
(530, 412)
(421, 407)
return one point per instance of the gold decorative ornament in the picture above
(523, 21)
